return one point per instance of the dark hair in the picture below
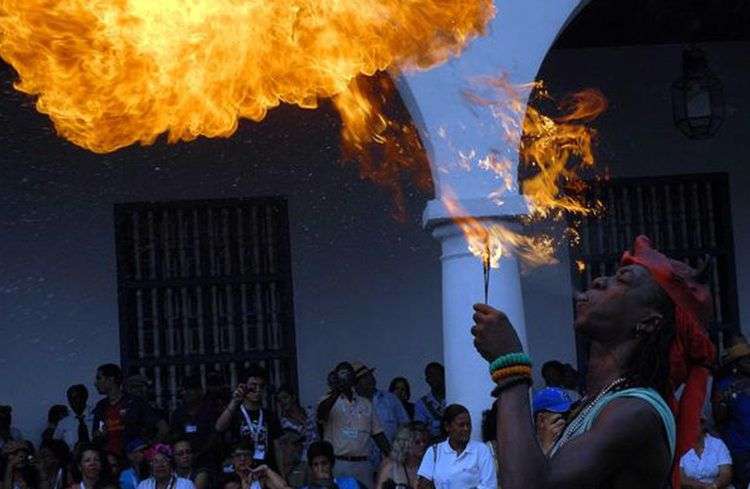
(105, 476)
(286, 388)
(254, 370)
(395, 381)
(245, 444)
(181, 439)
(229, 478)
(432, 365)
(549, 366)
(648, 365)
(78, 388)
(56, 413)
(489, 423)
(320, 448)
(450, 414)
(111, 371)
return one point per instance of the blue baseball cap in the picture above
(552, 399)
(135, 444)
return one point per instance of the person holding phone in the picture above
(551, 406)
(21, 469)
(245, 418)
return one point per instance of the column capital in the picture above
(436, 214)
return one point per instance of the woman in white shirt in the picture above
(458, 462)
(708, 464)
(161, 460)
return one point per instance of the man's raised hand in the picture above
(493, 334)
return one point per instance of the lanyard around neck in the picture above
(254, 427)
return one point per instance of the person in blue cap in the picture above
(551, 406)
(137, 470)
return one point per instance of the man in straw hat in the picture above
(349, 422)
(731, 405)
(646, 327)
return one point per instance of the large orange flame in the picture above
(111, 73)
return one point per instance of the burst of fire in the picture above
(551, 149)
(581, 266)
(114, 73)
(490, 242)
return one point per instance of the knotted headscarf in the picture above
(159, 449)
(691, 353)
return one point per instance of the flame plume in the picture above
(383, 140)
(554, 149)
(111, 73)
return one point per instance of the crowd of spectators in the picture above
(356, 435)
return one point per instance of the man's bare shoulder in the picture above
(641, 440)
(627, 440)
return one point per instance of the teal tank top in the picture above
(649, 395)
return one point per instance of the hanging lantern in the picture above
(697, 97)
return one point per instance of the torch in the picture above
(486, 267)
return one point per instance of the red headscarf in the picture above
(691, 353)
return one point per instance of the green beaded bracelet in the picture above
(510, 359)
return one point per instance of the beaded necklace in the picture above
(580, 417)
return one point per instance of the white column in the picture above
(466, 373)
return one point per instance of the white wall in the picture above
(366, 287)
(637, 138)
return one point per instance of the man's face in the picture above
(366, 384)
(77, 399)
(614, 302)
(183, 455)
(102, 383)
(136, 457)
(284, 400)
(435, 378)
(321, 468)
(254, 391)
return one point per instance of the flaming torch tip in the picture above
(486, 267)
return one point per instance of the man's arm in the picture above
(382, 442)
(325, 406)
(225, 419)
(623, 430)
